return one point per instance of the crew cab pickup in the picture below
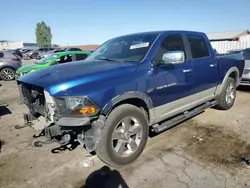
(130, 84)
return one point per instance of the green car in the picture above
(53, 59)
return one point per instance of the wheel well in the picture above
(7, 67)
(234, 76)
(136, 102)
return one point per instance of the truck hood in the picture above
(60, 78)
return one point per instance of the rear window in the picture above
(198, 46)
(1, 54)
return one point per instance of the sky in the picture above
(79, 22)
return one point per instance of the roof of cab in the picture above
(168, 31)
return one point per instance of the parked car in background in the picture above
(34, 54)
(108, 102)
(24, 51)
(9, 63)
(16, 52)
(53, 59)
(246, 75)
(72, 49)
(45, 54)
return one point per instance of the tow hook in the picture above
(40, 143)
(28, 124)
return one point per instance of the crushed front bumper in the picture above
(62, 122)
(85, 130)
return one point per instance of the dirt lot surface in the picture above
(205, 151)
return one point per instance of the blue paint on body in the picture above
(103, 80)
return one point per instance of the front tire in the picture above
(227, 97)
(124, 136)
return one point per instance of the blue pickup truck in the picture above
(130, 84)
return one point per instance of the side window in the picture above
(80, 57)
(198, 46)
(76, 49)
(64, 59)
(171, 43)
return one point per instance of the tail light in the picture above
(16, 59)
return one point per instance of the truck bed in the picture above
(225, 62)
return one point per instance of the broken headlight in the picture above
(76, 106)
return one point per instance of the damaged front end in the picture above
(62, 119)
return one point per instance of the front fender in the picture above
(130, 95)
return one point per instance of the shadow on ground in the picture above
(4, 110)
(1, 144)
(105, 178)
(244, 88)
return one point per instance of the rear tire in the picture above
(122, 123)
(227, 97)
(7, 74)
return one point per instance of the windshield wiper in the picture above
(106, 59)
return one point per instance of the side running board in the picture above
(182, 117)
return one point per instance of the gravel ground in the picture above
(204, 151)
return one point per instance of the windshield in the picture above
(131, 48)
(46, 59)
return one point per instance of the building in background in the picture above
(5, 44)
(90, 47)
(230, 40)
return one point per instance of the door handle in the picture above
(212, 65)
(187, 70)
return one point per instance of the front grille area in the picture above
(33, 97)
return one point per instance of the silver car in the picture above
(9, 63)
(246, 75)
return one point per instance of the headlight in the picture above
(76, 106)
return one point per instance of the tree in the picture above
(43, 35)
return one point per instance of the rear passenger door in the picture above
(204, 66)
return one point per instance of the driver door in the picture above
(171, 85)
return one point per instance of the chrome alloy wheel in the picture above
(126, 136)
(230, 93)
(7, 74)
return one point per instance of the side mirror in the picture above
(173, 57)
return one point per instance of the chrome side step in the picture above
(182, 117)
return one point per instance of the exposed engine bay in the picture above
(51, 117)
